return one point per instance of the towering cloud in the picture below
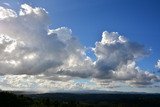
(29, 47)
(116, 60)
(36, 54)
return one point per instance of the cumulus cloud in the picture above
(116, 60)
(114, 51)
(38, 56)
(28, 46)
(5, 13)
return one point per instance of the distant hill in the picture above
(81, 92)
(9, 99)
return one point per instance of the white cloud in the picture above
(39, 83)
(6, 13)
(112, 52)
(43, 58)
(7, 4)
(116, 60)
(112, 38)
(27, 40)
(158, 64)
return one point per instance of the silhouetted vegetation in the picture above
(8, 99)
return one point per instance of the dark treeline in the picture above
(8, 99)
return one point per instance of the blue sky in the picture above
(137, 20)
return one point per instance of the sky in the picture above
(59, 45)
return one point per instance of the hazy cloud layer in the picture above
(35, 54)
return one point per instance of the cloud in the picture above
(43, 58)
(34, 83)
(158, 64)
(7, 4)
(5, 13)
(114, 51)
(28, 46)
(116, 60)
(39, 83)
